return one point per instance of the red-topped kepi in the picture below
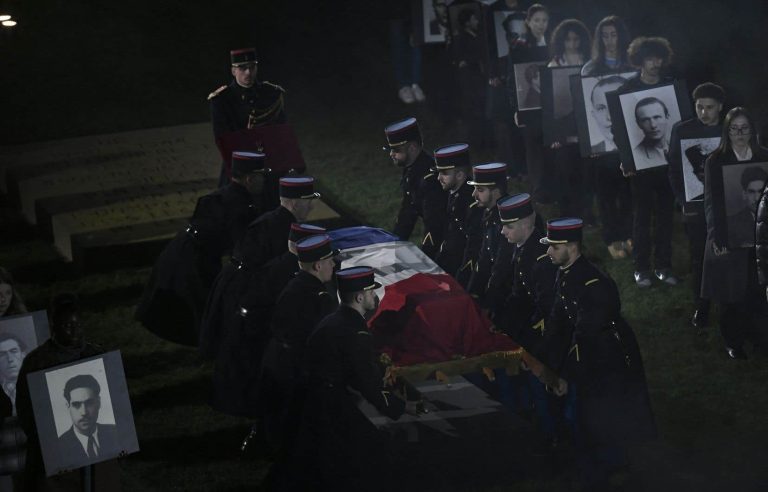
(302, 231)
(314, 248)
(563, 230)
(452, 156)
(298, 187)
(403, 131)
(355, 279)
(248, 162)
(515, 207)
(242, 56)
(493, 174)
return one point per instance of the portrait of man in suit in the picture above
(86, 437)
(741, 224)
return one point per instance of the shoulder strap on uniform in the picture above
(216, 92)
(274, 86)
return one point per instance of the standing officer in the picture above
(493, 256)
(303, 303)
(708, 100)
(423, 195)
(596, 354)
(337, 441)
(246, 102)
(173, 301)
(453, 171)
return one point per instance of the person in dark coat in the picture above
(173, 301)
(529, 299)
(338, 446)
(597, 356)
(471, 75)
(246, 102)
(490, 182)
(729, 277)
(67, 344)
(236, 344)
(761, 241)
(422, 194)
(708, 100)
(302, 304)
(453, 171)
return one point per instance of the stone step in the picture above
(67, 152)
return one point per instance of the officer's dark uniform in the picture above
(473, 232)
(494, 256)
(304, 302)
(174, 299)
(532, 291)
(336, 439)
(451, 250)
(595, 351)
(236, 337)
(422, 194)
(234, 107)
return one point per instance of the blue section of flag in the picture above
(354, 237)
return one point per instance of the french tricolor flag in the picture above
(425, 316)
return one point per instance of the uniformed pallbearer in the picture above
(246, 102)
(337, 441)
(493, 258)
(173, 301)
(529, 300)
(303, 303)
(453, 168)
(422, 194)
(597, 356)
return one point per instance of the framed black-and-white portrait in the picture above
(693, 153)
(528, 85)
(469, 42)
(642, 123)
(593, 120)
(736, 191)
(82, 412)
(430, 20)
(557, 117)
(508, 26)
(19, 335)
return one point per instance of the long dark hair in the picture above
(557, 45)
(725, 141)
(598, 48)
(17, 303)
(533, 10)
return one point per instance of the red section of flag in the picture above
(429, 318)
(278, 142)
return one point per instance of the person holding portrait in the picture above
(729, 276)
(708, 101)
(651, 194)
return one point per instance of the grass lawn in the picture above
(125, 68)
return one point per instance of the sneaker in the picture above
(628, 246)
(616, 249)
(643, 279)
(406, 95)
(418, 93)
(665, 275)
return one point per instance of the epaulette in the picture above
(428, 175)
(542, 257)
(216, 92)
(275, 86)
(588, 282)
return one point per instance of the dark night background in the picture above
(83, 67)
